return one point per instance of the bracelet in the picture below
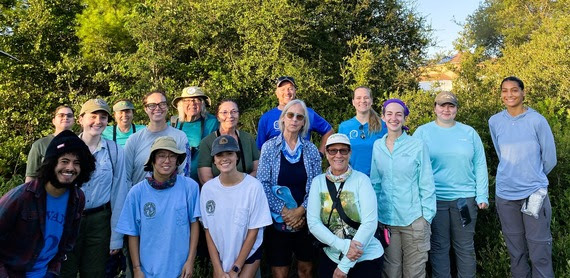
(138, 266)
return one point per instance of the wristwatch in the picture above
(236, 269)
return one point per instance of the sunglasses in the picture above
(343, 151)
(298, 117)
(362, 135)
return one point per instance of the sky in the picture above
(442, 15)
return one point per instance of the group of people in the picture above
(386, 204)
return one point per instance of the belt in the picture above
(97, 209)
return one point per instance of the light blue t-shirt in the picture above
(458, 161)
(361, 147)
(162, 219)
(526, 151)
(195, 134)
(268, 126)
(403, 181)
(55, 220)
(120, 136)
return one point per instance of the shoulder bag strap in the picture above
(338, 205)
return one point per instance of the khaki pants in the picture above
(408, 251)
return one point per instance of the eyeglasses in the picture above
(226, 113)
(343, 151)
(153, 106)
(299, 117)
(196, 100)
(362, 135)
(61, 115)
(163, 157)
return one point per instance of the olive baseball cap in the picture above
(123, 105)
(94, 105)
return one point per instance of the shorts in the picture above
(280, 246)
(255, 256)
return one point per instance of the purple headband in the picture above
(398, 101)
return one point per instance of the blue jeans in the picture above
(447, 230)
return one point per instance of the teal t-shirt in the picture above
(458, 161)
(195, 133)
(121, 137)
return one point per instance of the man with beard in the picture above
(39, 220)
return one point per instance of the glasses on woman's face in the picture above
(162, 157)
(362, 135)
(227, 113)
(298, 117)
(153, 106)
(343, 151)
(192, 100)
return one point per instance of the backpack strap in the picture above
(109, 152)
(337, 204)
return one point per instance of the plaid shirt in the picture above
(22, 227)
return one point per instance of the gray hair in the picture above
(182, 113)
(305, 129)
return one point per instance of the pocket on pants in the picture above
(421, 232)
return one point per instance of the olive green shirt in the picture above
(36, 155)
(249, 150)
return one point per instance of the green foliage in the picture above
(497, 24)
(530, 38)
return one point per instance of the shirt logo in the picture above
(149, 209)
(276, 125)
(353, 134)
(210, 206)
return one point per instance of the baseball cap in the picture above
(338, 138)
(446, 97)
(94, 105)
(123, 105)
(224, 143)
(282, 79)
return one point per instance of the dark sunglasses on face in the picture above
(299, 117)
(343, 151)
(153, 106)
(362, 135)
